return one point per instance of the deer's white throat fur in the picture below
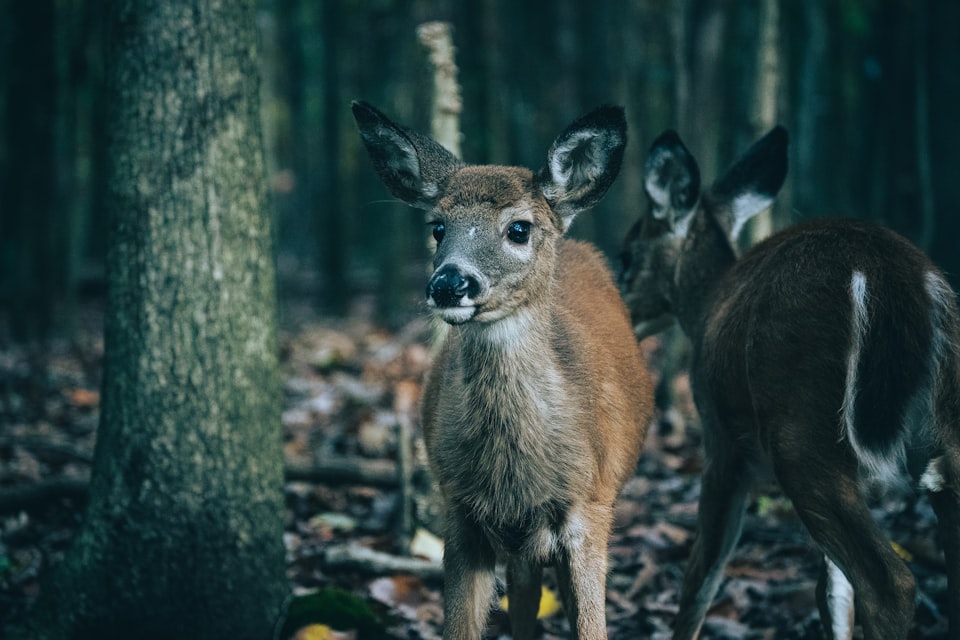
(517, 407)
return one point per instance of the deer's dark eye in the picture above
(519, 232)
(438, 231)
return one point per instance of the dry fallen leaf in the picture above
(549, 603)
(905, 555)
(84, 398)
(323, 632)
(426, 545)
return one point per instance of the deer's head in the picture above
(685, 240)
(496, 227)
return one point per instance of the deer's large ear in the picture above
(750, 185)
(412, 166)
(584, 161)
(671, 179)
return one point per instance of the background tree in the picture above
(30, 239)
(183, 532)
(865, 88)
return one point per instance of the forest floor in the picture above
(348, 384)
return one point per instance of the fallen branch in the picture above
(353, 557)
(13, 499)
(45, 445)
(359, 471)
(374, 473)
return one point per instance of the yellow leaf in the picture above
(905, 555)
(549, 603)
(314, 632)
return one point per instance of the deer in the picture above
(537, 401)
(826, 355)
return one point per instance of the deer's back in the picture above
(824, 321)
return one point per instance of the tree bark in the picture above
(183, 533)
(437, 37)
(766, 102)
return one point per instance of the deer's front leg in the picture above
(582, 570)
(468, 578)
(523, 587)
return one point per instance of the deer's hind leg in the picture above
(523, 589)
(942, 482)
(837, 516)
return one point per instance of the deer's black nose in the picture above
(449, 285)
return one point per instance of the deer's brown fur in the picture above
(536, 405)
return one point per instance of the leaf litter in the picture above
(348, 386)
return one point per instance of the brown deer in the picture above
(827, 354)
(537, 403)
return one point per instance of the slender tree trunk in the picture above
(810, 101)
(30, 279)
(437, 37)
(679, 19)
(183, 533)
(942, 37)
(766, 101)
(496, 104)
(922, 128)
(326, 191)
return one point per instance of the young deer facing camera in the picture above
(827, 353)
(537, 403)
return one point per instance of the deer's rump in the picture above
(830, 337)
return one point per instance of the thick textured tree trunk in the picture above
(183, 533)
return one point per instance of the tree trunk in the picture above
(183, 533)
(942, 36)
(807, 183)
(766, 102)
(437, 37)
(30, 258)
(325, 195)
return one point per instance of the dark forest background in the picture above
(867, 89)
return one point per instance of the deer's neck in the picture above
(510, 362)
(510, 420)
(705, 257)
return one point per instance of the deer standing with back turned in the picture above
(827, 354)
(536, 405)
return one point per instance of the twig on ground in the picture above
(374, 473)
(353, 557)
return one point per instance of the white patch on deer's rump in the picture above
(885, 466)
(941, 296)
(859, 323)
